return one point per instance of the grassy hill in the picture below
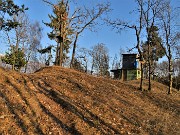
(62, 101)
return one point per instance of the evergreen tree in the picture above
(61, 30)
(8, 8)
(15, 57)
(155, 51)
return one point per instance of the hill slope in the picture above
(63, 101)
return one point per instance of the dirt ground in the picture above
(62, 101)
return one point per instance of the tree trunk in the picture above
(57, 55)
(61, 54)
(27, 60)
(149, 77)
(74, 51)
(92, 67)
(86, 68)
(19, 69)
(141, 83)
(12, 66)
(149, 64)
(170, 76)
(25, 70)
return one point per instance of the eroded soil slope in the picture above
(63, 101)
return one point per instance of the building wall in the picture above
(132, 74)
(131, 69)
(130, 61)
(117, 73)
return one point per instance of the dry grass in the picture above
(63, 101)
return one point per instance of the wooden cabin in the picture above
(130, 70)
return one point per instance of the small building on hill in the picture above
(131, 69)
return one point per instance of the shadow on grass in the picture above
(21, 109)
(17, 119)
(166, 103)
(71, 130)
(93, 121)
(68, 129)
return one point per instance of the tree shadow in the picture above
(17, 119)
(66, 104)
(165, 104)
(71, 130)
(20, 108)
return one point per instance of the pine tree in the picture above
(15, 57)
(8, 8)
(155, 51)
(61, 30)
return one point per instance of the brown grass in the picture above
(57, 100)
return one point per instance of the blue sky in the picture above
(39, 11)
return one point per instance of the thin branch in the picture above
(48, 2)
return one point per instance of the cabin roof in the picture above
(133, 54)
(129, 54)
(115, 70)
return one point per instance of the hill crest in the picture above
(57, 100)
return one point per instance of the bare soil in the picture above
(61, 101)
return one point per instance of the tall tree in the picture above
(148, 11)
(61, 30)
(8, 9)
(84, 18)
(151, 8)
(169, 33)
(137, 27)
(155, 51)
(32, 42)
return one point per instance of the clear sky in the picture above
(39, 11)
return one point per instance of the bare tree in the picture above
(162, 69)
(151, 8)
(148, 11)
(166, 19)
(86, 18)
(83, 56)
(101, 59)
(121, 25)
(27, 37)
(34, 35)
(65, 24)
(117, 61)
